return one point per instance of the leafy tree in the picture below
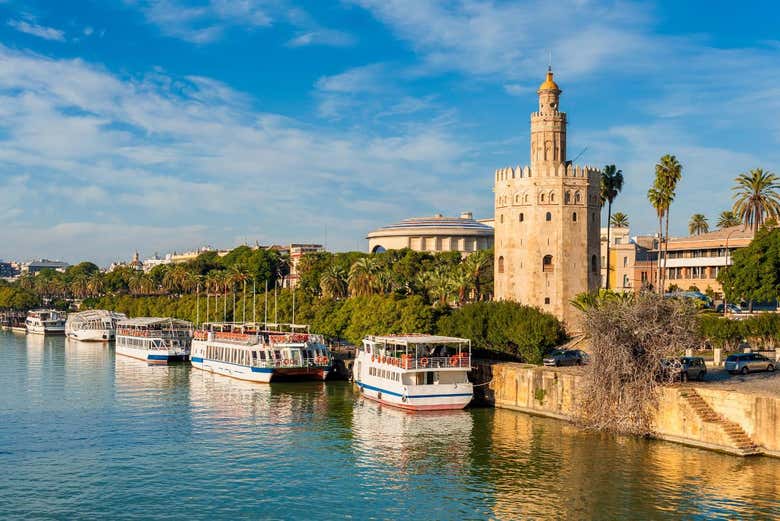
(754, 275)
(611, 185)
(698, 224)
(756, 198)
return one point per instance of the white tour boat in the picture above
(155, 340)
(415, 372)
(94, 325)
(253, 352)
(45, 322)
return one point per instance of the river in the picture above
(87, 435)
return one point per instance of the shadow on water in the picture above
(86, 434)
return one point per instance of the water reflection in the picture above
(546, 469)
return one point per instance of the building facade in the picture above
(547, 219)
(631, 260)
(433, 234)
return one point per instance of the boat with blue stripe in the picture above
(414, 371)
(261, 352)
(155, 340)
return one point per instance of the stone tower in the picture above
(547, 219)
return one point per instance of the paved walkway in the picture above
(759, 383)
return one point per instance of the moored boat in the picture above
(45, 322)
(415, 372)
(254, 353)
(94, 325)
(153, 339)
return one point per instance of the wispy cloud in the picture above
(47, 33)
(159, 149)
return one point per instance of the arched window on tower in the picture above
(521, 217)
(574, 217)
(594, 264)
(548, 217)
(547, 264)
(501, 218)
(541, 197)
(552, 197)
(501, 264)
(577, 197)
(567, 197)
(525, 198)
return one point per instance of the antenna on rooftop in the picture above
(549, 59)
(571, 161)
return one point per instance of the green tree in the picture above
(619, 220)
(727, 219)
(698, 224)
(611, 185)
(362, 277)
(754, 275)
(756, 198)
(333, 282)
(668, 172)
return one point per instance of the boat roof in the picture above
(154, 321)
(417, 338)
(95, 314)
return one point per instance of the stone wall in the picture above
(730, 421)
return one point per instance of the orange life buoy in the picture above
(424, 362)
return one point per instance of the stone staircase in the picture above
(740, 441)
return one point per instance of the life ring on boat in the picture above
(454, 361)
(424, 362)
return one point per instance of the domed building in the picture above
(434, 234)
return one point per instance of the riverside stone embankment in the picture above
(695, 414)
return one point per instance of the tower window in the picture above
(548, 217)
(594, 264)
(501, 218)
(547, 300)
(525, 198)
(552, 197)
(574, 217)
(501, 264)
(542, 198)
(521, 217)
(567, 197)
(547, 263)
(577, 197)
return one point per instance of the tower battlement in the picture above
(562, 170)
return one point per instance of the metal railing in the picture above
(462, 361)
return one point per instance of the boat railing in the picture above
(292, 363)
(461, 361)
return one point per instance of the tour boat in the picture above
(45, 322)
(415, 372)
(155, 340)
(254, 353)
(95, 325)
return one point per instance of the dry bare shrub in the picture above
(629, 340)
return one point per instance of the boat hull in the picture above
(258, 374)
(453, 399)
(46, 330)
(152, 356)
(92, 335)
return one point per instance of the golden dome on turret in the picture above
(548, 83)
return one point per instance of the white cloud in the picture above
(157, 151)
(47, 33)
(327, 37)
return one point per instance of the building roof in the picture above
(735, 235)
(434, 225)
(549, 84)
(153, 321)
(45, 263)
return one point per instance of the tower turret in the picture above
(548, 126)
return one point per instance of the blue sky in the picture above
(165, 125)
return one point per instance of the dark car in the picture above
(684, 368)
(731, 308)
(748, 362)
(561, 357)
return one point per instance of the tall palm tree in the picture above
(756, 198)
(611, 185)
(240, 274)
(619, 220)
(698, 224)
(462, 281)
(668, 172)
(477, 264)
(362, 276)
(95, 284)
(656, 198)
(333, 282)
(727, 219)
(212, 285)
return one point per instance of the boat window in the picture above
(429, 378)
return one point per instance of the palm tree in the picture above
(668, 172)
(655, 196)
(756, 199)
(462, 281)
(476, 264)
(619, 220)
(727, 219)
(698, 224)
(212, 284)
(362, 277)
(95, 284)
(439, 284)
(611, 185)
(240, 274)
(333, 282)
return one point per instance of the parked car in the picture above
(561, 357)
(748, 362)
(684, 368)
(731, 308)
